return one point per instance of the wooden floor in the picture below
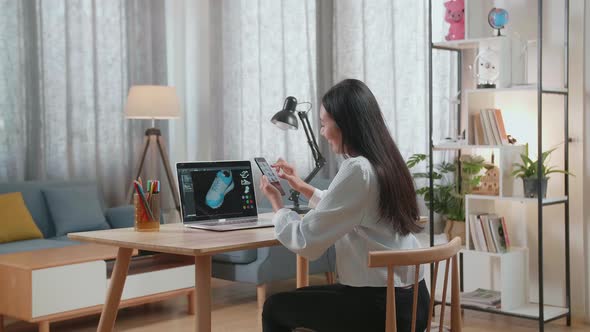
(235, 309)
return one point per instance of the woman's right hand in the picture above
(287, 171)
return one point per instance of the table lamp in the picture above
(154, 102)
(286, 119)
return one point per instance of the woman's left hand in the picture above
(272, 193)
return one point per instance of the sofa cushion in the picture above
(28, 245)
(33, 196)
(237, 257)
(31, 193)
(75, 209)
(16, 223)
(121, 216)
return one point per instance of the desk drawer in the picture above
(68, 287)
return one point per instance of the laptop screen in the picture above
(216, 190)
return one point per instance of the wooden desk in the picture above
(176, 239)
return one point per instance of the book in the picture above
(474, 234)
(501, 127)
(497, 234)
(505, 233)
(484, 298)
(480, 233)
(487, 129)
(494, 126)
(478, 130)
(486, 231)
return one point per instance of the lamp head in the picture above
(285, 118)
(152, 102)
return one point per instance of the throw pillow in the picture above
(16, 222)
(75, 209)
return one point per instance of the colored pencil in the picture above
(143, 200)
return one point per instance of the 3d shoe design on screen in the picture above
(222, 184)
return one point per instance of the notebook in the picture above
(218, 196)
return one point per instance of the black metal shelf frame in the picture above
(540, 92)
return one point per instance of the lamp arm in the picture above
(313, 173)
(294, 197)
(319, 160)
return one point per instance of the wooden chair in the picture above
(447, 252)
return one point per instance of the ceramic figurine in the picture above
(455, 15)
(486, 71)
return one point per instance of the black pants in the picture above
(342, 308)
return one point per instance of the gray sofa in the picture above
(35, 196)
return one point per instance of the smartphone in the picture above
(270, 173)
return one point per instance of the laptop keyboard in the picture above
(231, 222)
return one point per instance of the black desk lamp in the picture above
(285, 119)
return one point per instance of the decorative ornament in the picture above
(489, 184)
(486, 69)
(498, 18)
(455, 15)
(511, 139)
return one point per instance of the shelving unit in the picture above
(505, 269)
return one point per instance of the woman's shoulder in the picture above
(359, 162)
(357, 165)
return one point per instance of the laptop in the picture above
(218, 196)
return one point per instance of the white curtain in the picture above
(235, 61)
(242, 58)
(65, 68)
(385, 44)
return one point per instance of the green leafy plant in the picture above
(529, 168)
(449, 192)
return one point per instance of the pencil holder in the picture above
(144, 221)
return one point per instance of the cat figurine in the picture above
(455, 15)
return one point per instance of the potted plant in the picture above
(449, 193)
(527, 170)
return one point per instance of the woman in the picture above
(370, 205)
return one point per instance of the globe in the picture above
(498, 18)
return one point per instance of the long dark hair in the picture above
(356, 112)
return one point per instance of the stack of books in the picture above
(488, 233)
(488, 128)
(482, 298)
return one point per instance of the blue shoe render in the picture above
(222, 184)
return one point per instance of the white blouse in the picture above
(347, 215)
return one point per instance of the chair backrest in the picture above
(416, 257)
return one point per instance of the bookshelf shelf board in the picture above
(560, 91)
(517, 88)
(492, 254)
(528, 311)
(451, 146)
(464, 44)
(546, 201)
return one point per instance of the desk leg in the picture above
(44, 326)
(302, 272)
(203, 293)
(111, 306)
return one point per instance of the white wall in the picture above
(553, 229)
(578, 159)
(586, 160)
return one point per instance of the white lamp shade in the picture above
(152, 102)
